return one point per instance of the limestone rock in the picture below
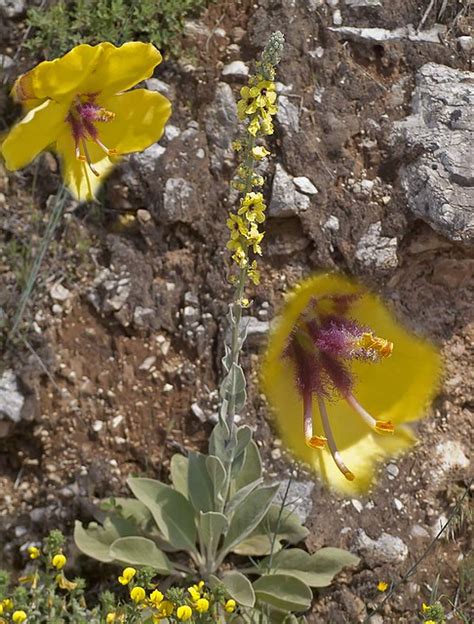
(11, 399)
(376, 251)
(221, 125)
(439, 183)
(286, 200)
(385, 549)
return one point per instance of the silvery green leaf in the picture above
(137, 550)
(233, 387)
(244, 435)
(217, 474)
(172, 512)
(241, 495)
(179, 473)
(218, 442)
(94, 541)
(239, 588)
(315, 570)
(284, 592)
(248, 515)
(287, 527)
(251, 468)
(212, 525)
(200, 487)
(133, 510)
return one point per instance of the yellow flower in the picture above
(253, 207)
(64, 583)
(127, 575)
(202, 605)
(253, 239)
(166, 608)
(194, 593)
(430, 622)
(425, 608)
(184, 612)
(111, 617)
(382, 586)
(236, 226)
(156, 598)
(259, 152)
(254, 273)
(76, 104)
(7, 604)
(19, 616)
(34, 552)
(138, 594)
(58, 561)
(230, 606)
(318, 352)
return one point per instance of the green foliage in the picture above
(68, 23)
(217, 504)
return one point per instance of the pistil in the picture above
(332, 443)
(316, 442)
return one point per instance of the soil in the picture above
(98, 408)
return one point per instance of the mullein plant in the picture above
(218, 503)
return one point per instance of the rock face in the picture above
(11, 399)
(222, 127)
(439, 182)
(287, 200)
(376, 251)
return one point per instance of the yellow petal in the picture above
(140, 118)
(77, 175)
(38, 129)
(62, 78)
(121, 68)
(396, 389)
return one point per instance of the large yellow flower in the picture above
(339, 393)
(76, 106)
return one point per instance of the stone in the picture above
(288, 115)
(178, 199)
(155, 84)
(448, 456)
(146, 161)
(332, 224)
(171, 132)
(11, 399)
(12, 8)
(392, 471)
(257, 331)
(376, 251)
(221, 124)
(286, 200)
(380, 35)
(6, 62)
(337, 17)
(235, 70)
(190, 315)
(304, 185)
(298, 498)
(466, 43)
(386, 549)
(358, 506)
(147, 363)
(419, 532)
(363, 3)
(198, 412)
(59, 292)
(436, 144)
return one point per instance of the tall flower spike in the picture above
(340, 389)
(77, 106)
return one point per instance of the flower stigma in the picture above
(321, 346)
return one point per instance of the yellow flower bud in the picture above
(127, 575)
(34, 552)
(230, 606)
(382, 586)
(138, 594)
(184, 613)
(202, 605)
(19, 616)
(7, 604)
(110, 618)
(58, 561)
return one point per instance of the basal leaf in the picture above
(179, 473)
(283, 592)
(140, 551)
(239, 588)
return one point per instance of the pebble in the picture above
(397, 504)
(147, 363)
(304, 185)
(116, 421)
(11, 399)
(417, 531)
(198, 412)
(392, 471)
(337, 18)
(332, 224)
(167, 387)
(385, 549)
(358, 506)
(235, 69)
(97, 425)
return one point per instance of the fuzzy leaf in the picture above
(217, 474)
(288, 528)
(283, 592)
(179, 473)
(200, 487)
(212, 525)
(248, 515)
(93, 541)
(316, 570)
(251, 468)
(140, 551)
(241, 495)
(172, 512)
(239, 588)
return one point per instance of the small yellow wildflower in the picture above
(253, 207)
(111, 617)
(236, 226)
(19, 616)
(253, 239)
(259, 152)
(64, 583)
(156, 598)
(230, 606)
(425, 608)
(166, 608)
(126, 576)
(194, 593)
(429, 622)
(184, 612)
(138, 594)
(7, 604)
(382, 586)
(58, 561)
(34, 552)
(254, 273)
(77, 105)
(202, 605)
